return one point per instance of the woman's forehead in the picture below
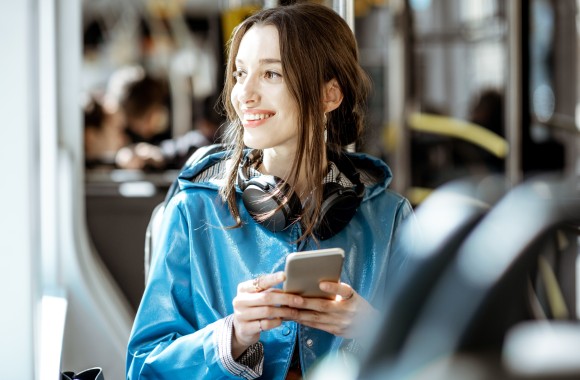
(260, 42)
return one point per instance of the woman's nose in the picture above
(249, 90)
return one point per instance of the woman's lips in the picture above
(255, 119)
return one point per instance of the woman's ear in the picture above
(332, 96)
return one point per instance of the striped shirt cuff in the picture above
(250, 364)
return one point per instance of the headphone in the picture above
(263, 195)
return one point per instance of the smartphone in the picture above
(305, 270)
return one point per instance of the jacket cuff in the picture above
(250, 364)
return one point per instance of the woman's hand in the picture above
(340, 316)
(259, 307)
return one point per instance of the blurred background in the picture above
(440, 70)
(105, 100)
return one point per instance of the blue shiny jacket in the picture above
(199, 264)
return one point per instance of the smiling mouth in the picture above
(257, 116)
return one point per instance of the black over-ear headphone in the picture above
(262, 195)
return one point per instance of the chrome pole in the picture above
(513, 115)
(345, 8)
(399, 53)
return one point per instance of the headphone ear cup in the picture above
(339, 205)
(271, 202)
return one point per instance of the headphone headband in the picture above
(272, 202)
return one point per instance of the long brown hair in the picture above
(316, 45)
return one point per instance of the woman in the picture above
(295, 96)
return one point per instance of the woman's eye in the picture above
(272, 75)
(238, 74)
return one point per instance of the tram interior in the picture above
(476, 108)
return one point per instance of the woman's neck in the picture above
(280, 165)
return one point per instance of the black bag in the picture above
(89, 374)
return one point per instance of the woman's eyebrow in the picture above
(263, 61)
(269, 60)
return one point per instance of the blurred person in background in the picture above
(142, 102)
(104, 135)
(486, 111)
(170, 153)
(146, 107)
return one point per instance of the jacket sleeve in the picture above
(165, 342)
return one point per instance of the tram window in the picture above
(152, 76)
(458, 51)
(459, 54)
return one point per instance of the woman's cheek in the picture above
(233, 99)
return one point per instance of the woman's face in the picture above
(260, 96)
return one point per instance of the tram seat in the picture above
(485, 291)
(445, 218)
(118, 208)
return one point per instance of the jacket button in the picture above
(309, 342)
(286, 331)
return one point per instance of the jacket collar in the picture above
(209, 171)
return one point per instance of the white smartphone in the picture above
(305, 270)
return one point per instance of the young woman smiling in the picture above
(295, 96)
